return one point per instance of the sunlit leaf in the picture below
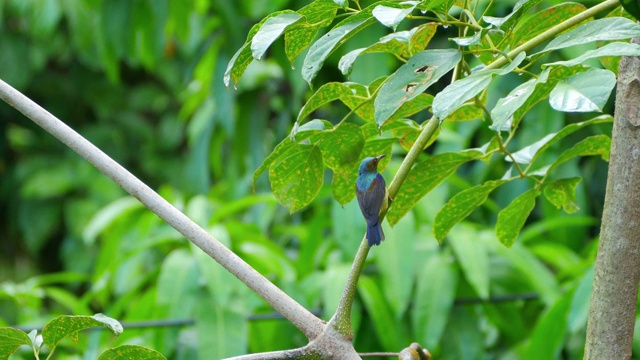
(460, 206)
(562, 194)
(616, 28)
(530, 153)
(512, 218)
(430, 313)
(270, 30)
(612, 49)
(392, 16)
(411, 79)
(325, 94)
(466, 113)
(507, 106)
(67, 325)
(423, 178)
(584, 92)
(297, 176)
(125, 352)
(454, 95)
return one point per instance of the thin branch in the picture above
(304, 320)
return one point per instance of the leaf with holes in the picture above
(512, 218)
(424, 177)
(584, 92)
(411, 79)
(460, 206)
(457, 93)
(297, 176)
(562, 194)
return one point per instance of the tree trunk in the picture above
(617, 269)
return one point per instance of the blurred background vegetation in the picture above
(142, 80)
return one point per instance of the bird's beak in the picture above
(380, 156)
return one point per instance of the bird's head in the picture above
(370, 164)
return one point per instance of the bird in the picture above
(371, 191)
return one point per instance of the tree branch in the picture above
(304, 320)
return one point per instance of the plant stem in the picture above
(546, 35)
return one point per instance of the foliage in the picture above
(156, 102)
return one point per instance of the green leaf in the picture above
(270, 30)
(562, 194)
(383, 320)
(543, 89)
(222, 332)
(10, 340)
(543, 20)
(423, 178)
(460, 206)
(579, 310)
(584, 92)
(402, 44)
(529, 154)
(632, 7)
(282, 148)
(547, 338)
(323, 47)
(465, 113)
(611, 49)
(434, 297)
(397, 265)
(297, 176)
(325, 94)
(512, 218)
(509, 21)
(243, 57)
(454, 95)
(412, 79)
(67, 325)
(616, 28)
(391, 16)
(319, 13)
(341, 146)
(593, 145)
(508, 105)
(126, 352)
(473, 257)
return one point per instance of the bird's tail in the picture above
(375, 235)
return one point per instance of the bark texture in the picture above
(617, 269)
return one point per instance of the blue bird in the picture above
(371, 191)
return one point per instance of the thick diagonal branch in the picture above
(304, 320)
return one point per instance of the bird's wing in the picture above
(371, 199)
